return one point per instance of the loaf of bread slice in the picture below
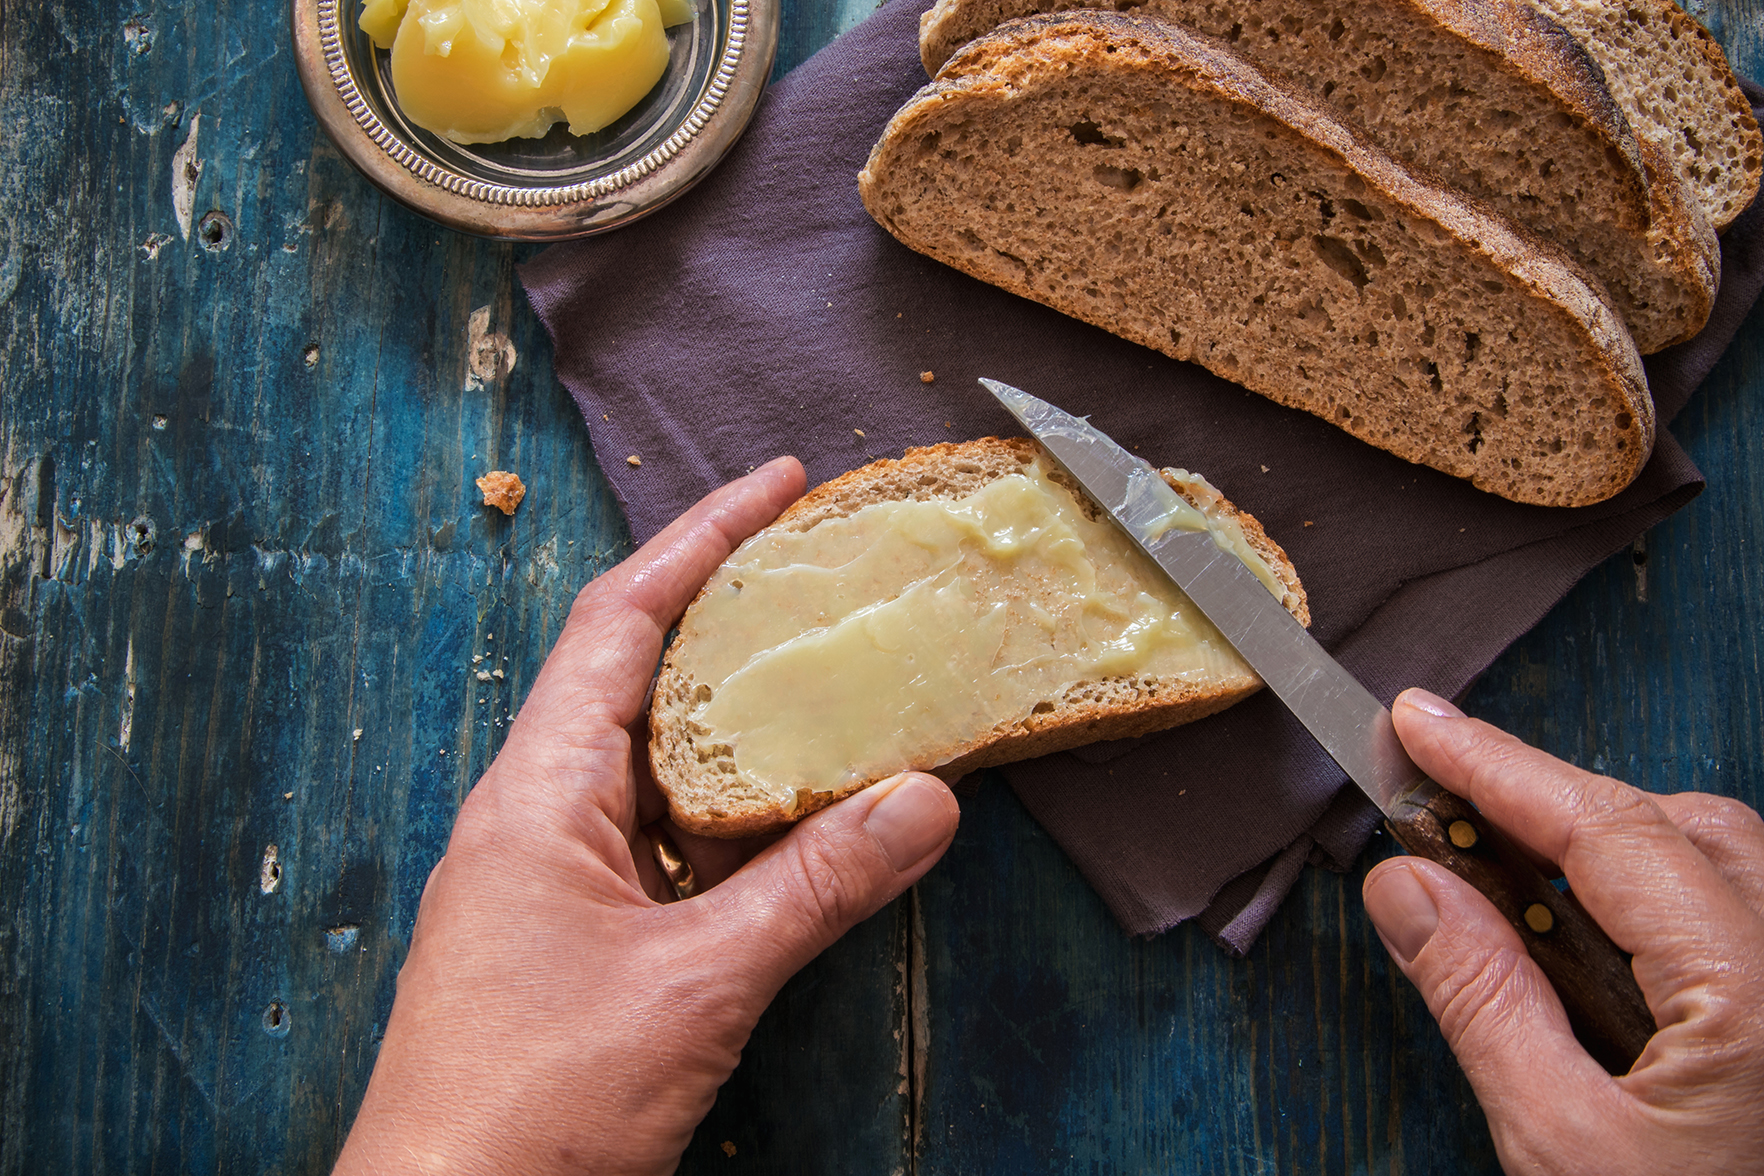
(696, 767)
(1489, 95)
(1150, 181)
(1675, 86)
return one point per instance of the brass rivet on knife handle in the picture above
(1589, 972)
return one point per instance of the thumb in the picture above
(834, 870)
(1497, 1011)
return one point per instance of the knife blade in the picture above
(1590, 973)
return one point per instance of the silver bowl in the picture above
(560, 186)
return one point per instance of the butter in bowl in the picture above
(534, 119)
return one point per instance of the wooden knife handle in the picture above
(1591, 974)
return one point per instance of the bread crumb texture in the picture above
(1494, 99)
(1151, 182)
(503, 490)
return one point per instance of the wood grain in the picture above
(237, 524)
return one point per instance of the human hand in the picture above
(1678, 881)
(552, 1016)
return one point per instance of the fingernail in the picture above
(1403, 911)
(1433, 704)
(913, 818)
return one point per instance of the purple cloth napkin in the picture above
(765, 313)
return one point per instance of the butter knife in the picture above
(1590, 973)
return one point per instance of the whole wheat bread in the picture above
(1675, 86)
(706, 796)
(1150, 181)
(1490, 95)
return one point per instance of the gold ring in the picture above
(673, 865)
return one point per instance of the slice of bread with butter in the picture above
(961, 607)
(1152, 182)
(1490, 96)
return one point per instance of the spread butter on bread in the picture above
(961, 607)
(1491, 96)
(1152, 182)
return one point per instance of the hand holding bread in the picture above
(552, 1015)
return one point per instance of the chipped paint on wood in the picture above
(168, 712)
(186, 171)
(490, 355)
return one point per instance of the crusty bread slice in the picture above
(1674, 84)
(1489, 95)
(1150, 181)
(706, 796)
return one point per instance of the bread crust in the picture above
(948, 470)
(990, 82)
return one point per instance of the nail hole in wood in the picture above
(215, 231)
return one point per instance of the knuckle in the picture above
(823, 886)
(1721, 816)
(1478, 997)
(587, 604)
(1602, 807)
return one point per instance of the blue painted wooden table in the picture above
(244, 577)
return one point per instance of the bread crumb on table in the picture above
(927, 377)
(502, 490)
(633, 461)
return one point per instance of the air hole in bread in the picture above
(1338, 255)
(1091, 134)
(1123, 179)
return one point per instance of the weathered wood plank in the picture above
(238, 525)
